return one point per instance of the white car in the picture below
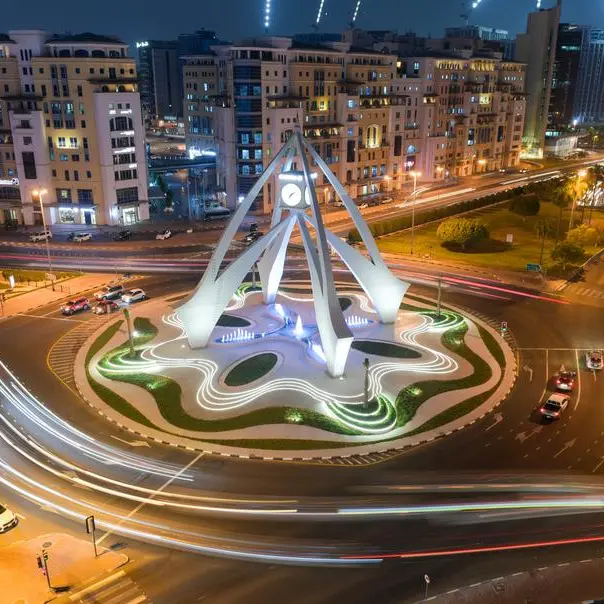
(362, 206)
(41, 236)
(164, 235)
(82, 237)
(134, 295)
(594, 359)
(7, 519)
(554, 406)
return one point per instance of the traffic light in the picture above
(504, 326)
(40, 563)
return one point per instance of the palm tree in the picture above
(561, 197)
(543, 229)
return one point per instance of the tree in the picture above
(568, 253)
(462, 231)
(583, 236)
(525, 205)
(544, 228)
(561, 197)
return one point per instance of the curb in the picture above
(487, 323)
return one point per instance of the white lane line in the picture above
(598, 466)
(578, 380)
(517, 574)
(20, 516)
(544, 393)
(476, 584)
(564, 564)
(95, 586)
(154, 494)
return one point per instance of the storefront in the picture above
(128, 215)
(74, 214)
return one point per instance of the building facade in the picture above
(375, 118)
(537, 48)
(71, 127)
(588, 107)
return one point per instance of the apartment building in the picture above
(473, 112)
(373, 117)
(71, 127)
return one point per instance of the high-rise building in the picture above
(589, 97)
(565, 75)
(373, 117)
(70, 125)
(537, 48)
(160, 79)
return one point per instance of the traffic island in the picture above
(264, 390)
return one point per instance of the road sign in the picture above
(90, 527)
(533, 268)
(50, 277)
(427, 579)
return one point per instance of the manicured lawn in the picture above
(495, 253)
(251, 369)
(232, 321)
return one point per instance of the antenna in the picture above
(267, 14)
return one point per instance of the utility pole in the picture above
(439, 296)
(415, 174)
(90, 529)
(40, 194)
(42, 565)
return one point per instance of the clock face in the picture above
(291, 194)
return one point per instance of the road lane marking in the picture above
(598, 466)
(578, 380)
(567, 446)
(20, 516)
(153, 495)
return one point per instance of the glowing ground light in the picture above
(343, 408)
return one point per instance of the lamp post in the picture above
(39, 193)
(366, 388)
(439, 171)
(415, 175)
(581, 174)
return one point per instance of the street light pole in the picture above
(415, 174)
(40, 194)
(366, 389)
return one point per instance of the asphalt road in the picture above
(511, 445)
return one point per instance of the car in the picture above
(70, 236)
(163, 235)
(8, 519)
(105, 307)
(123, 236)
(73, 306)
(41, 236)
(253, 236)
(554, 406)
(565, 380)
(386, 200)
(253, 227)
(362, 206)
(594, 359)
(134, 295)
(110, 292)
(79, 237)
(523, 170)
(339, 204)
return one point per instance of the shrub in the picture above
(568, 253)
(583, 236)
(525, 205)
(462, 231)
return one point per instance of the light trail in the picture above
(356, 12)
(319, 12)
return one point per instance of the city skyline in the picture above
(286, 19)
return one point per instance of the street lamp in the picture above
(581, 174)
(415, 175)
(39, 193)
(482, 162)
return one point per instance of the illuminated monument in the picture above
(297, 205)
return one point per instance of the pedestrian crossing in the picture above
(359, 460)
(585, 292)
(118, 588)
(62, 356)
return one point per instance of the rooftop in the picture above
(6, 38)
(86, 37)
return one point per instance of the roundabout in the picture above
(264, 389)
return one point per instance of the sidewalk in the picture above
(45, 295)
(70, 562)
(563, 583)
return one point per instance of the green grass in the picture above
(385, 349)
(251, 369)
(115, 401)
(494, 253)
(345, 303)
(21, 275)
(232, 321)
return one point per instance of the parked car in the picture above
(70, 236)
(105, 307)
(110, 292)
(79, 237)
(386, 200)
(253, 227)
(594, 360)
(40, 236)
(252, 237)
(123, 236)
(7, 519)
(554, 406)
(163, 235)
(73, 306)
(134, 295)
(363, 205)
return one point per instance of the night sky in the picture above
(233, 19)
